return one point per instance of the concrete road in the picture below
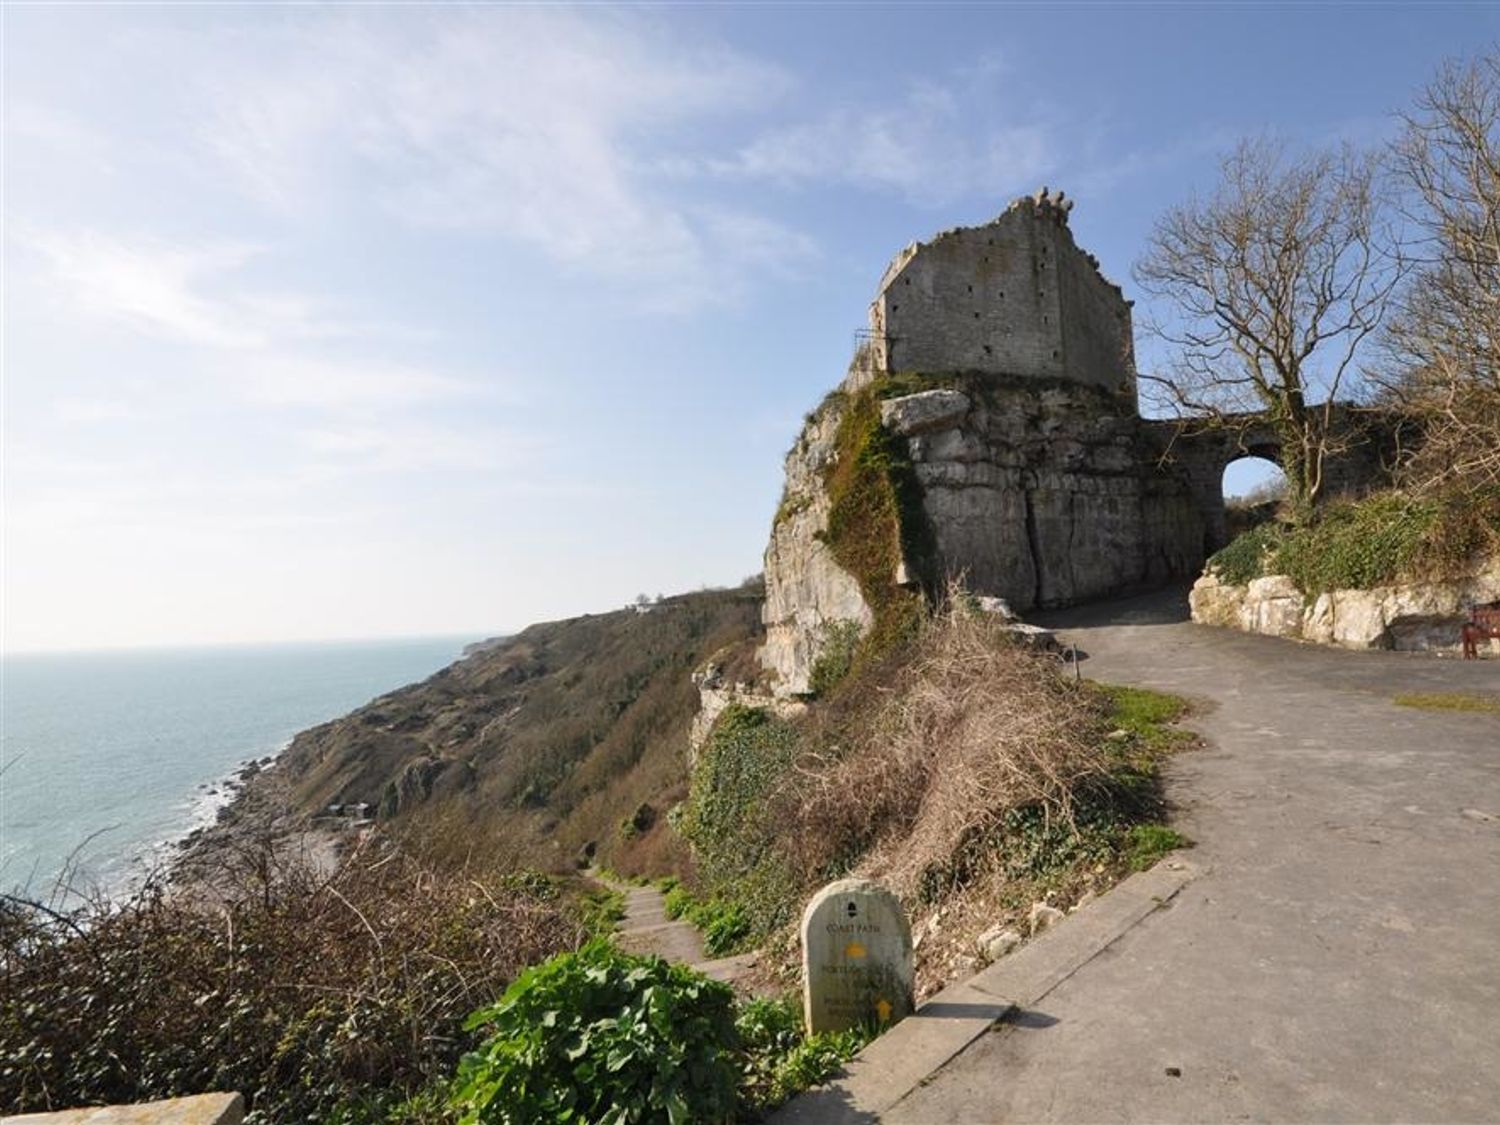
(1339, 959)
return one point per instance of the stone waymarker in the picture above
(856, 957)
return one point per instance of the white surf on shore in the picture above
(108, 758)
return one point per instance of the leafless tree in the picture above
(1443, 343)
(1267, 290)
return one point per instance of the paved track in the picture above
(1338, 960)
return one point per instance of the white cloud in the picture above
(921, 145)
(156, 286)
(539, 125)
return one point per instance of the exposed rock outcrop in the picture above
(1408, 617)
(807, 592)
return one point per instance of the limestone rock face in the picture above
(807, 592)
(716, 695)
(1044, 495)
(1408, 617)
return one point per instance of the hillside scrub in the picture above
(540, 745)
(964, 764)
(320, 997)
(1379, 540)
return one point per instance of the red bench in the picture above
(1483, 624)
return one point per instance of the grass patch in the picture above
(600, 910)
(1148, 717)
(1449, 701)
(723, 923)
(1147, 843)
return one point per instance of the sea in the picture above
(108, 758)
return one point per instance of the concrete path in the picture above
(1337, 957)
(647, 929)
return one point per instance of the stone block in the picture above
(201, 1109)
(924, 412)
(856, 957)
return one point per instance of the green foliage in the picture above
(840, 640)
(1381, 539)
(724, 923)
(1353, 546)
(727, 817)
(876, 519)
(603, 1036)
(897, 384)
(780, 1059)
(1246, 556)
(641, 820)
(600, 910)
(1147, 843)
(790, 506)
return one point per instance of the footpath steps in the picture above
(646, 929)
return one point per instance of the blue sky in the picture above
(376, 320)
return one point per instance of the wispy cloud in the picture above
(922, 145)
(542, 126)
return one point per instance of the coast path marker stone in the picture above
(856, 957)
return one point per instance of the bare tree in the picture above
(1268, 289)
(1443, 344)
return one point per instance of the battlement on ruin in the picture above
(1014, 297)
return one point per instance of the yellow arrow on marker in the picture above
(854, 949)
(883, 1009)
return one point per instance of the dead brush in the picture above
(319, 994)
(975, 728)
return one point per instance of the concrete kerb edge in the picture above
(908, 1055)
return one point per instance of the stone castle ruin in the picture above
(1040, 482)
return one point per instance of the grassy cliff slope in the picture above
(569, 733)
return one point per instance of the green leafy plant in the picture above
(840, 640)
(725, 925)
(780, 1059)
(603, 1036)
(1245, 557)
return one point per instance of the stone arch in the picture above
(1364, 454)
(1264, 469)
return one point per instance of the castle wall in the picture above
(1013, 297)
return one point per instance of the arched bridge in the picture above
(1363, 448)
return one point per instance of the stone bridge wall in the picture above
(1365, 445)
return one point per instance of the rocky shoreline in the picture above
(256, 825)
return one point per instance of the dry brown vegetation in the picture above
(962, 770)
(973, 728)
(320, 996)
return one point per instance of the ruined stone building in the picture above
(1039, 480)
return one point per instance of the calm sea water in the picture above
(108, 754)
